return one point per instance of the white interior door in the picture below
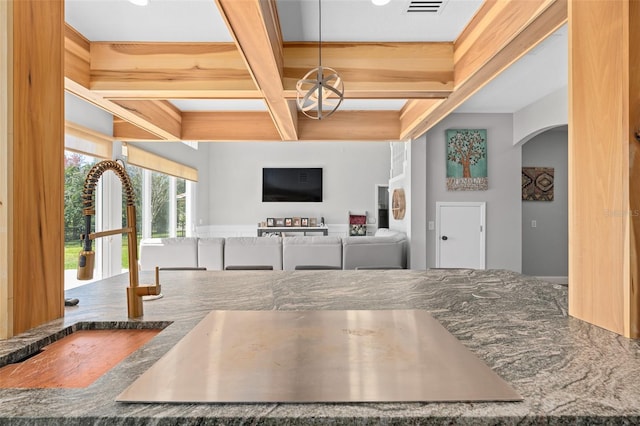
(460, 235)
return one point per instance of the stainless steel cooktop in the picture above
(318, 356)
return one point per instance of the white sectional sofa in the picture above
(253, 251)
(168, 253)
(385, 250)
(312, 252)
(211, 253)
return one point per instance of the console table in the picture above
(303, 229)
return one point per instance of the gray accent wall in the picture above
(503, 198)
(418, 206)
(350, 169)
(545, 248)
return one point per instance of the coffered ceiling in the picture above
(213, 70)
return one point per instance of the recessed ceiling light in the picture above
(140, 2)
(380, 2)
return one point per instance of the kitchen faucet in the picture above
(87, 255)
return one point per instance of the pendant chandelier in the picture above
(320, 91)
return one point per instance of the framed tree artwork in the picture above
(467, 159)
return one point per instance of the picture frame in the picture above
(304, 221)
(537, 183)
(288, 221)
(279, 221)
(466, 159)
(313, 221)
(296, 222)
(270, 222)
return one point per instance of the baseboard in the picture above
(555, 280)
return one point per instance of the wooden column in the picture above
(6, 293)
(604, 173)
(34, 153)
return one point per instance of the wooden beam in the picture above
(493, 27)
(604, 200)
(415, 112)
(136, 112)
(170, 70)
(37, 152)
(216, 70)
(161, 114)
(159, 118)
(351, 125)
(123, 130)
(232, 126)
(77, 56)
(229, 126)
(499, 34)
(255, 27)
(376, 70)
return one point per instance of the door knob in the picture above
(445, 238)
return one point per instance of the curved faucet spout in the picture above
(87, 255)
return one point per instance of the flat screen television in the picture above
(292, 184)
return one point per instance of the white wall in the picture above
(546, 113)
(545, 248)
(350, 172)
(503, 198)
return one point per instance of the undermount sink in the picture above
(76, 356)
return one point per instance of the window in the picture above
(76, 167)
(161, 206)
(163, 201)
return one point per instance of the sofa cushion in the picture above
(258, 251)
(168, 253)
(386, 232)
(211, 253)
(317, 251)
(371, 251)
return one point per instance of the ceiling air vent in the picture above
(425, 6)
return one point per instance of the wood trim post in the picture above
(36, 184)
(604, 203)
(6, 99)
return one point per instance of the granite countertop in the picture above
(567, 371)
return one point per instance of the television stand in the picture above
(303, 229)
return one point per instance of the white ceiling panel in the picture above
(160, 20)
(361, 20)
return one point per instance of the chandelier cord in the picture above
(321, 91)
(320, 33)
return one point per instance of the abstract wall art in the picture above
(537, 183)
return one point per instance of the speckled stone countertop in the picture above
(567, 371)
